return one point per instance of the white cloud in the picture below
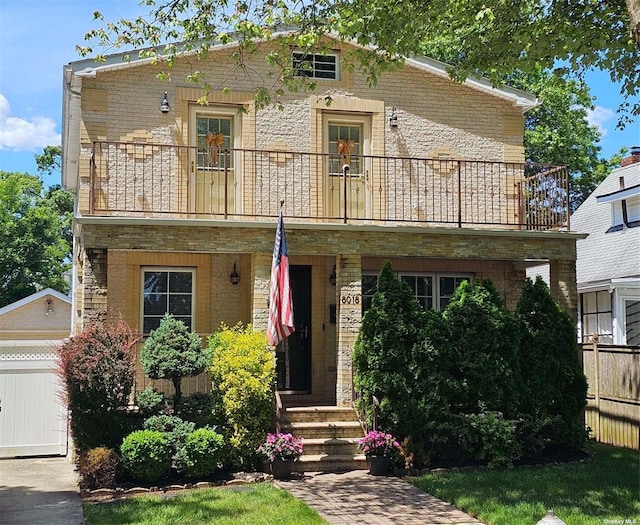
(599, 116)
(21, 134)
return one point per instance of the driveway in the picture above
(39, 491)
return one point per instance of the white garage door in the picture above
(33, 419)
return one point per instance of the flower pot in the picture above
(378, 465)
(281, 468)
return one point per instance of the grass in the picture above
(604, 489)
(260, 503)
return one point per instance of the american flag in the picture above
(280, 324)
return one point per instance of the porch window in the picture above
(432, 291)
(167, 291)
(597, 316)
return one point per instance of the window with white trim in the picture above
(316, 65)
(167, 291)
(597, 316)
(431, 290)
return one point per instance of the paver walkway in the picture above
(357, 498)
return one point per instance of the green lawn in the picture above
(605, 489)
(259, 503)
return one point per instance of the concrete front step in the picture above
(326, 430)
(330, 463)
(340, 447)
(318, 414)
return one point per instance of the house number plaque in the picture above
(350, 298)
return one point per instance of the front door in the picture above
(293, 355)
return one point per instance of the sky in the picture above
(37, 38)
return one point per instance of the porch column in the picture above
(563, 286)
(261, 275)
(349, 298)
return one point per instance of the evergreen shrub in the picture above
(202, 452)
(146, 455)
(383, 357)
(173, 352)
(554, 387)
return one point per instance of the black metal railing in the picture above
(157, 180)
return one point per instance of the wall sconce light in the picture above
(234, 276)
(393, 119)
(49, 307)
(164, 106)
(333, 277)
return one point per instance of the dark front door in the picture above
(293, 355)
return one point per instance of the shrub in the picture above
(202, 452)
(97, 368)
(199, 408)
(176, 431)
(98, 468)
(151, 402)
(554, 386)
(484, 338)
(383, 361)
(488, 436)
(173, 352)
(243, 375)
(146, 455)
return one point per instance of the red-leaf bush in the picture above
(97, 367)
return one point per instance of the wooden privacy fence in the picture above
(613, 397)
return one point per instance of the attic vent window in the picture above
(315, 66)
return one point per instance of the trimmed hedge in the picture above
(146, 455)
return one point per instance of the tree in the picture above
(494, 37)
(383, 358)
(554, 388)
(35, 236)
(173, 352)
(557, 131)
(50, 160)
(484, 337)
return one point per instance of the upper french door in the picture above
(347, 140)
(215, 170)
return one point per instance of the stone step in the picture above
(330, 463)
(340, 447)
(318, 413)
(325, 429)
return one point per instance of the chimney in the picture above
(633, 158)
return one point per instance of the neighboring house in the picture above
(608, 264)
(175, 197)
(33, 417)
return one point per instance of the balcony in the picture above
(158, 180)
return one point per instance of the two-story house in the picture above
(177, 201)
(608, 263)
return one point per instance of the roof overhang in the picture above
(619, 195)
